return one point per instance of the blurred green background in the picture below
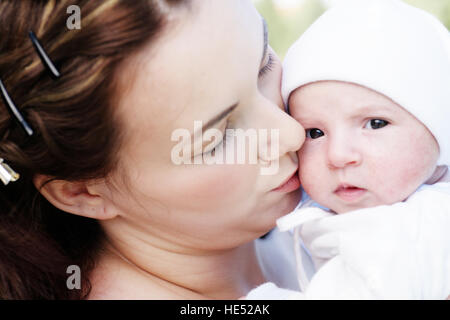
(288, 19)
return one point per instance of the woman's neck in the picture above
(132, 268)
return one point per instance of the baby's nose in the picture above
(342, 153)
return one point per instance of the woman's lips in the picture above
(349, 193)
(291, 184)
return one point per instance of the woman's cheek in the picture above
(217, 182)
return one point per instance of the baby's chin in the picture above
(345, 208)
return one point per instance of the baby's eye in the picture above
(376, 124)
(314, 133)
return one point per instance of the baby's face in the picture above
(361, 148)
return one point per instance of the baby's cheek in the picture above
(412, 160)
(398, 178)
(308, 172)
(412, 175)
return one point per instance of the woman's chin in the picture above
(288, 203)
(282, 207)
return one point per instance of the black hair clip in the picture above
(14, 111)
(6, 173)
(4, 93)
(44, 57)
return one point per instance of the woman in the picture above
(98, 187)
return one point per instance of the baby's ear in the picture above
(440, 174)
(78, 198)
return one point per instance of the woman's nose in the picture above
(285, 132)
(342, 152)
(292, 134)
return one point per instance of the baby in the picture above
(370, 83)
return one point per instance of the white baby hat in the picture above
(387, 46)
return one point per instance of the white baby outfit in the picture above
(401, 251)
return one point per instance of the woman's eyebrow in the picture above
(266, 39)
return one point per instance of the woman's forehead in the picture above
(207, 61)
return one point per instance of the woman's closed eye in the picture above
(227, 135)
(375, 124)
(268, 67)
(314, 133)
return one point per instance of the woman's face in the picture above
(211, 57)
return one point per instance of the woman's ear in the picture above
(78, 198)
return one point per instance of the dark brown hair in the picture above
(76, 136)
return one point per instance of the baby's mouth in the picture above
(349, 193)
